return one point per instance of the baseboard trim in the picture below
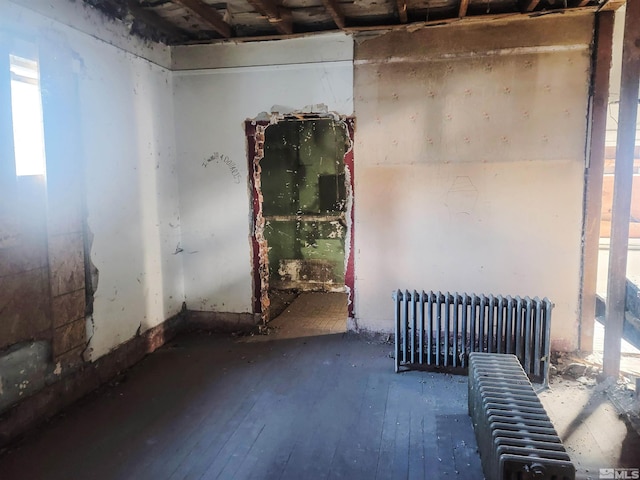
(75, 384)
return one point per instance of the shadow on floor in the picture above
(310, 314)
(630, 450)
(209, 406)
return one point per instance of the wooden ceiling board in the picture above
(183, 21)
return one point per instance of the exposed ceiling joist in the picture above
(209, 15)
(335, 11)
(464, 5)
(402, 10)
(279, 17)
(186, 22)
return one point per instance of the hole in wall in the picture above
(302, 208)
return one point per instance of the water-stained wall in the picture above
(87, 251)
(469, 161)
(470, 156)
(304, 204)
(24, 273)
(111, 187)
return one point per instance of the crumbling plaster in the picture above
(434, 209)
(132, 196)
(126, 142)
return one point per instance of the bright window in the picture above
(26, 107)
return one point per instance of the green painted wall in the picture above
(304, 201)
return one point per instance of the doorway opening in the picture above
(302, 171)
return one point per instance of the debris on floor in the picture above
(280, 300)
(585, 371)
(590, 425)
(308, 314)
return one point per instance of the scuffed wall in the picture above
(109, 115)
(469, 162)
(470, 153)
(211, 105)
(132, 195)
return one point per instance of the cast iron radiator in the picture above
(516, 439)
(435, 329)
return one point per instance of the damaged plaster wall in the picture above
(470, 153)
(479, 137)
(227, 85)
(132, 195)
(127, 146)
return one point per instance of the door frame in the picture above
(255, 133)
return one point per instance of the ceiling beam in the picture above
(279, 17)
(208, 14)
(472, 19)
(402, 10)
(464, 5)
(335, 11)
(156, 21)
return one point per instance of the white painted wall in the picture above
(128, 146)
(469, 163)
(211, 106)
(469, 155)
(132, 194)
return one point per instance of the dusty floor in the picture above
(307, 401)
(291, 405)
(590, 427)
(279, 301)
(310, 314)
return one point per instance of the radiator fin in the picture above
(516, 439)
(436, 329)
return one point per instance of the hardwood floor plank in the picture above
(285, 406)
(357, 451)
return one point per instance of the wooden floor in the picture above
(311, 314)
(591, 430)
(289, 405)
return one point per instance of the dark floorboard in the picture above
(213, 407)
